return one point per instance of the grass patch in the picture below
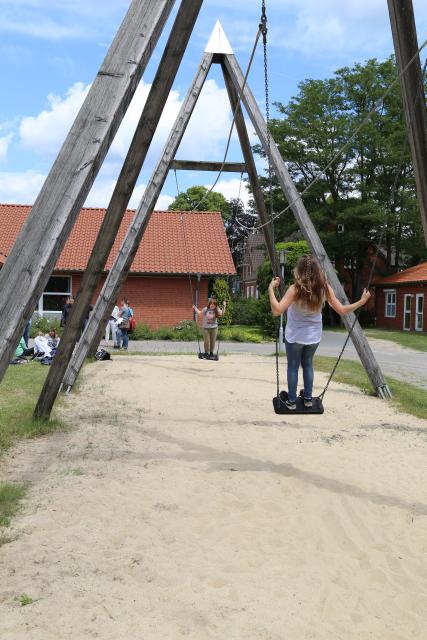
(242, 333)
(10, 497)
(188, 331)
(18, 395)
(406, 397)
(416, 341)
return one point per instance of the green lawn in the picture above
(19, 391)
(411, 340)
(406, 397)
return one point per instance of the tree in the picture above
(237, 227)
(221, 293)
(199, 198)
(369, 188)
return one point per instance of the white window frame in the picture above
(54, 314)
(407, 312)
(419, 296)
(388, 292)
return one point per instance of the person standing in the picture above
(124, 318)
(210, 315)
(112, 326)
(66, 310)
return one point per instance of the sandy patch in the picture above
(180, 505)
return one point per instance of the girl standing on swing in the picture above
(210, 314)
(304, 301)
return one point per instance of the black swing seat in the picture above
(203, 357)
(281, 408)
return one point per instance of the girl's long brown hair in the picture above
(214, 301)
(311, 285)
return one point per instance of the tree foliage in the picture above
(221, 292)
(199, 198)
(369, 188)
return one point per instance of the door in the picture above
(407, 312)
(419, 311)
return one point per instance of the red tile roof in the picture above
(162, 249)
(413, 274)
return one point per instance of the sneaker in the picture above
(290, 405)
(308, 402)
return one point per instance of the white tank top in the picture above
(302, 326)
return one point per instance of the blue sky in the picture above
(51, 51)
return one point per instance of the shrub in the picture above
(142, 332)
(186, 330)
(246, 311)
(221, 292)
(164, 333)
(44, 325)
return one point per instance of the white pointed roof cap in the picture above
(218, 42)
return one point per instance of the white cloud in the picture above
(20, 187)
(4, 146)
(230, 189)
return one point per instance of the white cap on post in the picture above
(218, 42)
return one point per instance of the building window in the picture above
(419, 311)
(57, 290)
(407, 304)
(390, 303)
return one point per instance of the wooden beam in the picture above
(253, 175)
(126, 183)
(191, 165)
(307, 228)
(124, 258)
(412, 88)
(42, 238)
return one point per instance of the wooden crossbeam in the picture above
(126, 183)
(412, 88)
(194, 165)
(42, 238)
(307, 228)
(124, 258)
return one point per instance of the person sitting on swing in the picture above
(304, 301)
(210, 314)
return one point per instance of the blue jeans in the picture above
(300, 354)
(124, 338)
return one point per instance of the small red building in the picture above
(400, 299)
(158, 288)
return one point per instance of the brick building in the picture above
(254, 256)
(158, 286)
(400, 299)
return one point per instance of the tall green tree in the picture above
(369, 188)
(199, 198)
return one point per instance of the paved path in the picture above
(401, 363)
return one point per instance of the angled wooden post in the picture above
(253, 175)
(293, 197)
(412, 88)
(123, 261)
(128, 177)
(40, 242)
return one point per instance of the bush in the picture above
(246, 311)
(240, 334)
(221, 292)
(142, 332)
(186, 330)
(44, 325)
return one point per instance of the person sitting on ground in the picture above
(53, 341)
(304, 301)
(210, 314)
(21, 352)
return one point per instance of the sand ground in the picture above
(179, 505)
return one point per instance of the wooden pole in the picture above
(40, 242)
(146, 128)
(253, 176)
(412, 88)
(123, 261)
(197, 165)
(359, 340)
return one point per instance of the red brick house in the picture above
(401, 298)
(158, 285)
